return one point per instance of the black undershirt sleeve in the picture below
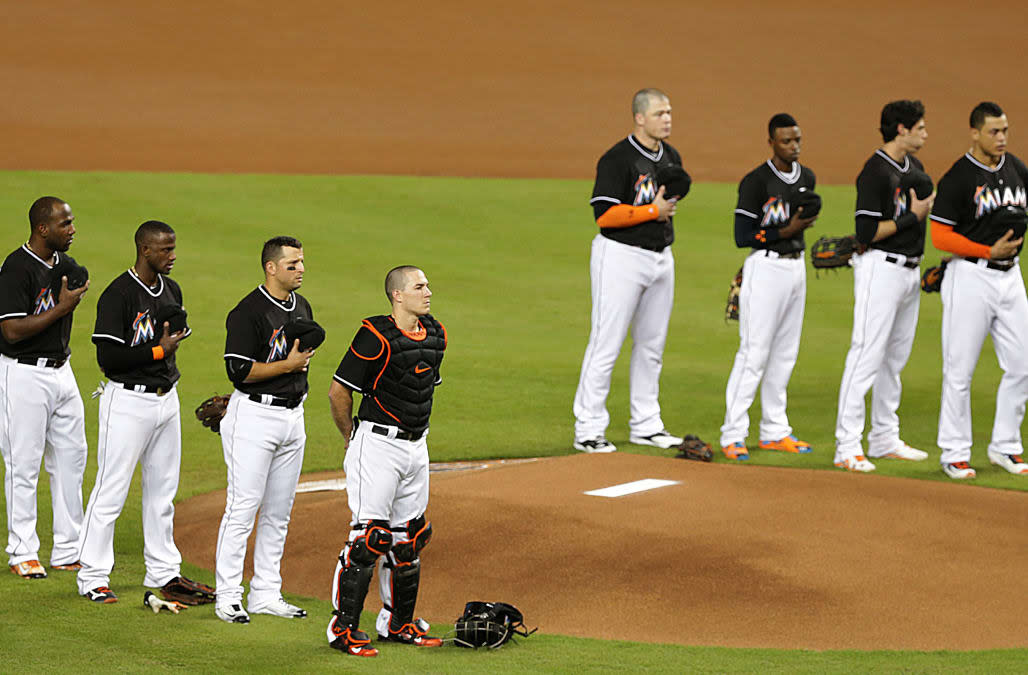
(599, 208)
(238, 369)
(867, 228)
(115, 358)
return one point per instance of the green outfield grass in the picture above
(508, 262)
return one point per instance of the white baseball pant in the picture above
(386, 479)
(42, 418)
(771, 305)
(263, 448)
(134, 428)
(886, 301)
(630, 287)
(977, 301)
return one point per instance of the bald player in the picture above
(41, 412)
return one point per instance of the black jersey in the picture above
(27, 286)
(970, 194)
(395, 371)
(627, 174)
(763, 207)
(879, 198)
(255, 334)
(125, 317)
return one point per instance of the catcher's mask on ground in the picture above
(489, 624)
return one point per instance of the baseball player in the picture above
(632, 274)
(979, 217)
(393, 362)
(262, 434)
(774, 290)
(890, 223)
(41, 412)
(139, 415)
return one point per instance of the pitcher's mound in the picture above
(726, 555)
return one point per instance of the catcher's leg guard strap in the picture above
(356, 565)
(372, 540)
(404, 580)
(419, 533)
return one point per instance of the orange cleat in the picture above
(787, 444)
(736, 451)
(29, 569)
(354, 642)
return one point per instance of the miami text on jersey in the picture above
(277, 343)
(776, 212)
(645, 192)
(142, 328)
(44, 301)
(987, 200)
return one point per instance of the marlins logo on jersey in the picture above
(142, 328)
(899, 200)
(645, 191)
(44, 301)
(277, 345)
(776, 212)
(987, 200)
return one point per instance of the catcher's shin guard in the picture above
(356, 564)
(399, 574)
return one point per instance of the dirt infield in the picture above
(734, 556)
(457, 88)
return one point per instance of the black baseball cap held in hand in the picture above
(675, 180)
(919, 180)
(175, 315)
(307, 331)
(806, 198)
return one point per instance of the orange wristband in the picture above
(158, 353)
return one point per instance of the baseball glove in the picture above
(931, 280)
(187, 592)
(732, 306)
(829, 252)
(307, 331)
(693, 447)
(489, 624)
(67, 267)
(211, 411)
(175, 315)
(806, 198)
(675, 180)
(919, 180)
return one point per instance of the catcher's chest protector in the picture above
(405, 385)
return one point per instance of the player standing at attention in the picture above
(890, 222)
(262, 434)
(979, 216)
(139, 416)
(773, 294)
(393, 362)
(41, 412)
(632, 274)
